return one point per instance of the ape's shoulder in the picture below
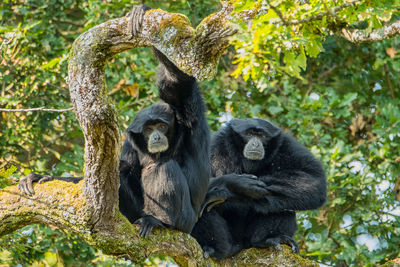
(223, 141)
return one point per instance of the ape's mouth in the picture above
(254, 155)
(158, 147)
(157, 143)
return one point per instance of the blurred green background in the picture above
(338, 98)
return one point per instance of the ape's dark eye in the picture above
(249, 134)
(163, 127)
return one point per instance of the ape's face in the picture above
(155, 135)
(254, 140)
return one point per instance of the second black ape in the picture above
(263, 176)
(165, 165)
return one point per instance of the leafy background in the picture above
(338, 98)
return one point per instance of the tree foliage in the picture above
(292, 66)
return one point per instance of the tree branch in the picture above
(35, 109)
(63, 205)
(359, 36)
(329, 12)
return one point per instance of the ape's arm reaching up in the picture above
(175, 87)
(172, 144)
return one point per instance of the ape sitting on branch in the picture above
(164, 167)
(263, 176)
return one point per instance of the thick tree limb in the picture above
(359, 36)
(93, 214)
(63, 205)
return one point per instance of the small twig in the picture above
(35, 109)
(8, 42)
(330, 12)
(388, 80)
(79, 24)
(278, 12)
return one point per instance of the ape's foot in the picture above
(147, 223)
(283, 239)
(276, 243)
(25, 184)
(220, 254)
(208, 252)
(137, 18)
(211, 252)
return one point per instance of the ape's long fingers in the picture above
(148, 231)
(46, 178)
(137, 18)
(215, 203)
(25, 185)
(249, 176)
(259, 192)
(145, 229)
(29, 186)
(142, 230)
(139, 21)
(134, 21)
(22, 187)
(203, 206)
(209, 204)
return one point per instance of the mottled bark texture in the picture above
(63, 205)
(360, 36)
(93, 214)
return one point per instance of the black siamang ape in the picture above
(263, 176)
(165, 165)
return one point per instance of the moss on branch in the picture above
(63, 205)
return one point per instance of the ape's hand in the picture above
(25, 184)
(215, 196)
(247, 185)
(233, 187)
(147, 223)
(137, 18)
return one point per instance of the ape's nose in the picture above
(255, 144)
(156, 137)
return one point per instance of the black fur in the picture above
(258, 211)
(167, 188)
